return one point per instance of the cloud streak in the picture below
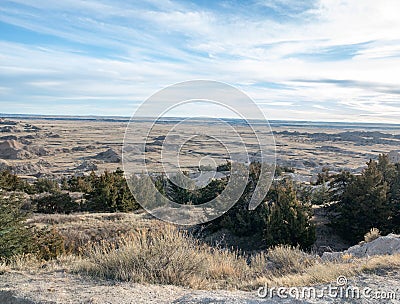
(325, 59)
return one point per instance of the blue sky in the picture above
(330, 60)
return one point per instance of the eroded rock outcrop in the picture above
(384, 245)
(12, 149)
(108, 156)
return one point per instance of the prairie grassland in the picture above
(173, 257)
(79, 230)
(148, 251)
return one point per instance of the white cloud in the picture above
(152, 44)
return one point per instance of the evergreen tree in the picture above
(64, 184)
(210, 192)
(110, 193)
(280, 219)
(81, 183)
(143, 190)
(15, 237)
(320, 195)
(42, 185)
(323, 176)
(394, 197)
(11, 182)
(288, 220)
(239, 219)
(103, 195)
(56, 203)
(339, 183)
(180, 189)
(387, 169)
(364, 205)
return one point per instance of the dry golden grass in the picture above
(165, 256)
(373, 234)
(31, 263)
(153, 252)
(79, 230)
(325, 272)
(286, 260)
(171, 256)
(381, 263)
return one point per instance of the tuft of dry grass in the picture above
(31, 263)
(286, 260)
(373, 234)
(25, 262)
(160, 257)
(381, 263)
(326, 272)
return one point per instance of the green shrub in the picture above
(279, 170)
(56, 203)
(48, 243)
(370, 200)
(320, 195)
(288, 220)
(11, 182)
(80, 183)
(42, 185)
(239, 219)
(15, 237)
(281, 219)
(110, 193)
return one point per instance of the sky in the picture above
(321, 60)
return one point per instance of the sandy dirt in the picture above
(62, 288)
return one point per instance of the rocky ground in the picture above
(61, 287)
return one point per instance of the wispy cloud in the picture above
(336, 60)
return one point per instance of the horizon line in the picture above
(95, 116)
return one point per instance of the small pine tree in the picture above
(64, 184)
(280, 219)
(288, 220)
(11, 182)
(320, 195)
(81, 183)
(394, 199)
(339, 183)
(323, 176)
(110, 193)
(55, 203)
(15, 237)
(43, 185)
(144, 193)
(363, 205)
(180, 189)
(49, 243)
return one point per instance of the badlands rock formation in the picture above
(12, 149)
(384, 245)
(109, 156)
